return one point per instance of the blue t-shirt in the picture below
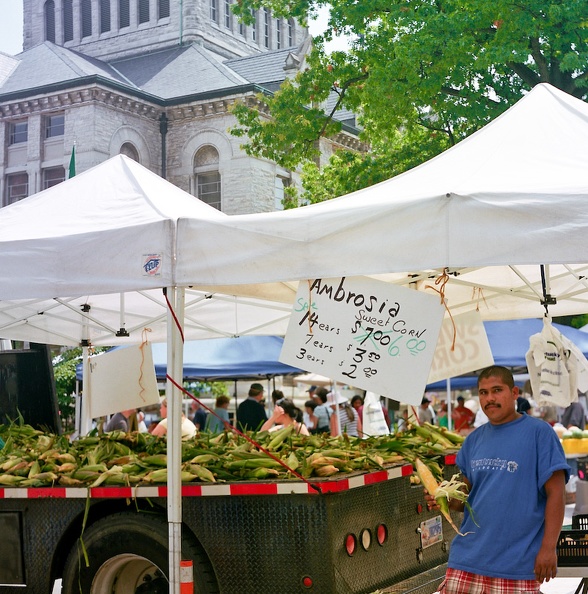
(507, 466)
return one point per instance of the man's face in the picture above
(497, 400)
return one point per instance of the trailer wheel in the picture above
(128, 554)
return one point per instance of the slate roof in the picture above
(166, 74)
(178, 72)
(264, 68)
(47, 64)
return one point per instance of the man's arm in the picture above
(546, 560)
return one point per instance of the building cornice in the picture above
(102, 90)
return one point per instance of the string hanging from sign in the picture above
(479, 292)
(144, 343)
(442, 281)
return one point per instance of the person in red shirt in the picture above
(463, 417)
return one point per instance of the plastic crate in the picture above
(572, 548)
(580, 522)
(582, 468)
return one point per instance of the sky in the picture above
(11, 27)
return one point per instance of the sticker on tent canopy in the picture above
(152, 264)
(469, 351)
(365, 333)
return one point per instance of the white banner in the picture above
(122, 379)
(365, 333)
(471, 350)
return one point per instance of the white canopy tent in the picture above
(87, 262)
(489, 211)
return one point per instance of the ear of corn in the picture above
(442, 492)
(134, 457)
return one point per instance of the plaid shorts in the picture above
(463, 582)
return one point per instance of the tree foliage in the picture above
(421, 75)
(64, 371)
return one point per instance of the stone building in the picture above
(152, 79)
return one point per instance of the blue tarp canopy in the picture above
(509, 343)
(242, 358)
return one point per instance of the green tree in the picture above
(64, 370)
(421, 75)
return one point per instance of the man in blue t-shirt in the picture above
(516, 471)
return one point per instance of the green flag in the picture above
(72, 163)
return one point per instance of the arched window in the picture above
(50, 20)
(208, 181)
(104, 16)
(67, 20)
(130, 151)
(86, 18)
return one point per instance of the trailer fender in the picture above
(128, 554)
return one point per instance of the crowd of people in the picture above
(324, 411)
(467, 415)
(328, 411)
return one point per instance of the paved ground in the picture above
(561, 586)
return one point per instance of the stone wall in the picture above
(193, 25)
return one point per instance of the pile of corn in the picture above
(32, 458)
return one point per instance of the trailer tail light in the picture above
(307, 582)
(381, 534)
(350, 544)
(366, 538)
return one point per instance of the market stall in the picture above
(499, 219)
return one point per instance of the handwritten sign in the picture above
(365, 333)
(471, 350)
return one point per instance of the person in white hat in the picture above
(347, 421)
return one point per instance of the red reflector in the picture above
(419, 508)
(581, 474)
(307, 582)
(381, 534)
(350, 544)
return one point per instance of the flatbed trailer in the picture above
(360, 533)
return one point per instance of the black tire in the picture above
(128, 554)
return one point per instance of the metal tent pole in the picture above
(175, 351)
